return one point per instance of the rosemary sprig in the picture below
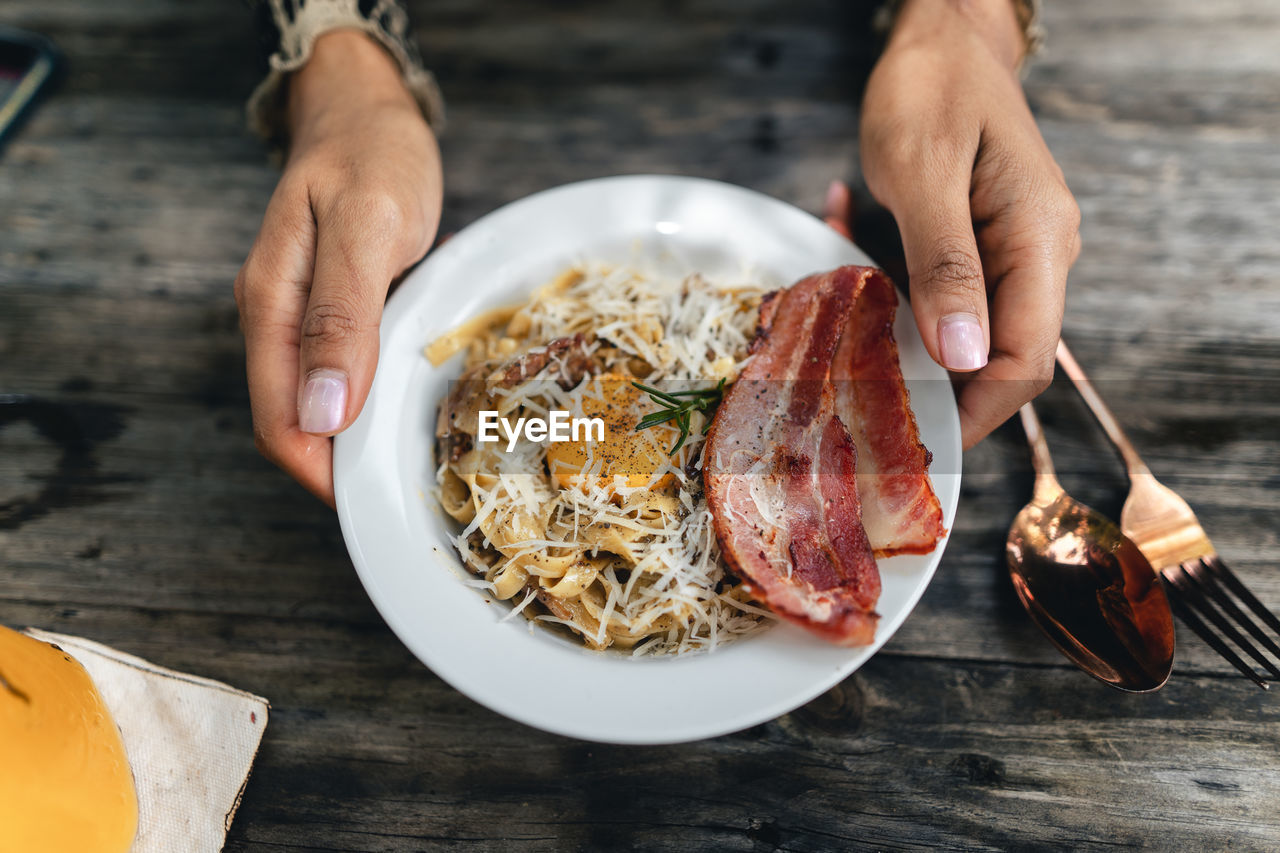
(679, 406)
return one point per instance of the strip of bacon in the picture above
(900, 511)
(780, 469)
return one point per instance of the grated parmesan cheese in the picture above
(644, 560)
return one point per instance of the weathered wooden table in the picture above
(134, 510)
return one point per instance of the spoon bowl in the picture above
(1086, 585)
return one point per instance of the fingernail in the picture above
(835, 197)
(324, 402)
(961, 343)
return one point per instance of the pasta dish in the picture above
(607, 532)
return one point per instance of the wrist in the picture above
(994, 23)
(347, 69)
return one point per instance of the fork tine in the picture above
(1192, 621)
(1193, 597)
(1228, 577)
(1209, 585)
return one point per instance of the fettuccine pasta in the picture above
(609, 538)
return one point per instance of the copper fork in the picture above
(1168, 534)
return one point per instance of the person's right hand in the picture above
(358, 203)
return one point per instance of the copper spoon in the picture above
(1086, 584)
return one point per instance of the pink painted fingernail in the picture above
(324, 402)
(835, 198)
(961, 343)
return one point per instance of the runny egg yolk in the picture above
(634, 456)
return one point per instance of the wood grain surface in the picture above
(134, 510)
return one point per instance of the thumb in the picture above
(339, 347)
(948, 293)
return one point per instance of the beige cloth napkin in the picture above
(191, 742)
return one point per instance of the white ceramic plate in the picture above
(399, 538)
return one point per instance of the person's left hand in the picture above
(989, 227)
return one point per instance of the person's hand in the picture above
(358, 203)
(988, 225)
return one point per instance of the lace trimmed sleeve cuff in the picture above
(1028, 12)
(290, 28)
